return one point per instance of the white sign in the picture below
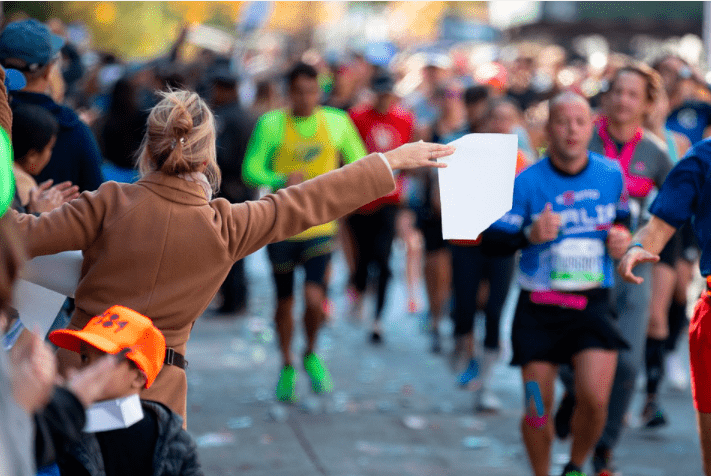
(46, 283)
(476, 188)
(36, 306)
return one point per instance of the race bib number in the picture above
(577, 264)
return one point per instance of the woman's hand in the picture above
(418, 154)
(45, 198)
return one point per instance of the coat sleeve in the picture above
(73, 226)
(291, 210)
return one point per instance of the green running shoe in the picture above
(286, 387)
(318, 373)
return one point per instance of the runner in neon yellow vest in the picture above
(289, 146)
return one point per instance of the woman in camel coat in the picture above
(162, 246)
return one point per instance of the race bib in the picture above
(577, 264)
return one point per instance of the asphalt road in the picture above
(394, 410)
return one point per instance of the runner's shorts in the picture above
(550, 333)
(673, 250)
(313, 254)
(700, 354)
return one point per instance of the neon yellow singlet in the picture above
(313, 156)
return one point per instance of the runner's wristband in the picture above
(635, 245)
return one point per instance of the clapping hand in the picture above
(45, 197)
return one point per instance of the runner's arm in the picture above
(262, 144)
(673, 206)
(351, 145)
(506, 236)
(648, 242)
(654, 235)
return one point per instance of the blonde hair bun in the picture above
(180, 137)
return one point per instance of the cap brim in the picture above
(72, 340)
(57, 42)
(14, 80)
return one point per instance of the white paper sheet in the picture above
(37, 306)
(59, 272)
(113, 414)
(476, 188)
(46, 283)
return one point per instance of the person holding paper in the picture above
(162, 246)
(568, 219)
(120, 423)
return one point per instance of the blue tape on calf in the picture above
(534, 391)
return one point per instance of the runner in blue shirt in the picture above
(566, 218)
(685, 194)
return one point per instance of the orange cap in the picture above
(116, 329)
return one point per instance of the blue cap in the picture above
(14, 80)
(382, 83)
(29, 42)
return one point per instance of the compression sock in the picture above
(655, 364)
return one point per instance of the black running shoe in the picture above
(564, 415)
(653, 416)
(572, 470)
(436, 341)
(602, 462)
(376, 338)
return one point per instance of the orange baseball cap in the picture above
(116, 329)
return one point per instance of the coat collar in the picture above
(174, 189)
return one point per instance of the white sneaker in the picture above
(487, 401)
(677, 372)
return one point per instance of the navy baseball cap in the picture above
(29, 44)
(382, 83)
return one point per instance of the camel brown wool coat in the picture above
(159, 247)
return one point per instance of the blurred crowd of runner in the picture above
(82, 123)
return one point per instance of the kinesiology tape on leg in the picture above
(535, 410)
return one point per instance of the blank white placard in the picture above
(476, 188)
(59, 272)
(37, 306)
(46, 283)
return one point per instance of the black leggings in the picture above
(373, 236)
(469, 267)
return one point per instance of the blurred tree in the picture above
(131, 29)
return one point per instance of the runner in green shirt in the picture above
(287, 147)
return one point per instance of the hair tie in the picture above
(174, 142)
